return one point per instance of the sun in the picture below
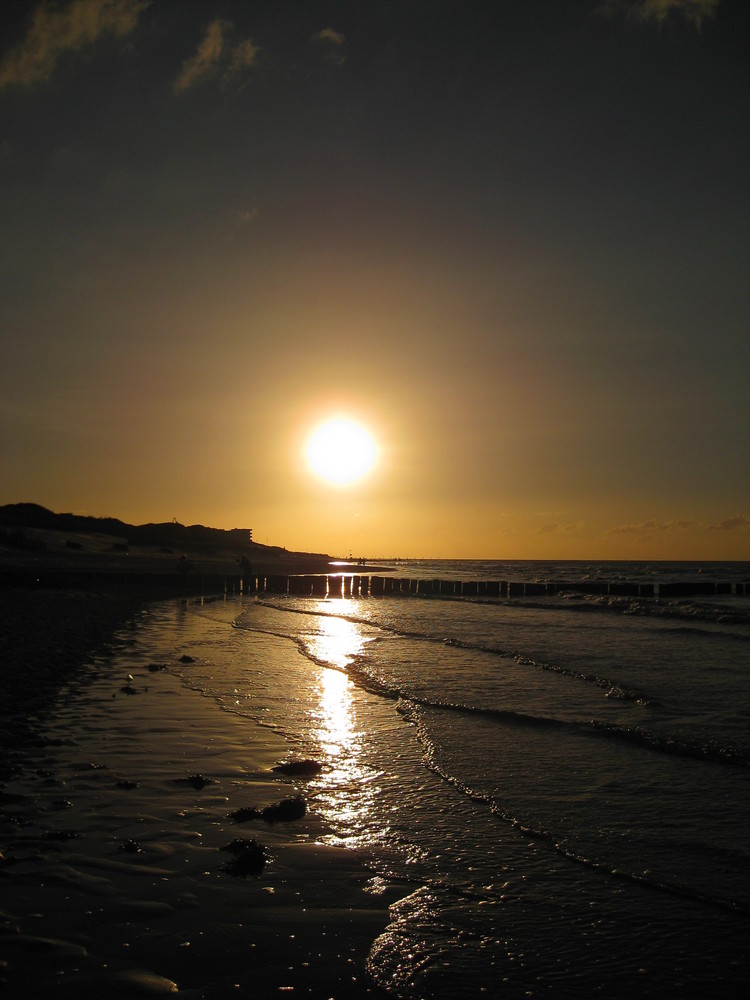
(341, 451)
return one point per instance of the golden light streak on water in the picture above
(348, 788)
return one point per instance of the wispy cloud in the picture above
(652, 526)
(206, 59)
(694, 11)
(329, 35)
(243, 55)
(56, 30)
(553, 527)
(736, 523)
(739, 522)
(216, 54)
(332, 42)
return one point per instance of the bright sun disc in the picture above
(341, 451)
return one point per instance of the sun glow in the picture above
(341, 451)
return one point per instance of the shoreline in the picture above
(46, 636)
(112, 874)
(65, 593)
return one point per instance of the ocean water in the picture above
(558, 784)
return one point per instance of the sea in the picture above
(558, 784)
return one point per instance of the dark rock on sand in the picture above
(198, 781)
(300, 768)
(249, 857)
(186, 659)
(245, 814)
(285, 811)
(155, 667)
(280, 812)
(130, 847)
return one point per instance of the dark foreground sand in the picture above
(45, 636)
(113, 876)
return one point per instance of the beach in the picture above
(228, 795)
(116, 808)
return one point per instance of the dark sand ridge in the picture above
(112, 877)
(87, 552)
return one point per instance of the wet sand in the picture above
(45, 637)
(115, 815)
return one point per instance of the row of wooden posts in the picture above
(338, 585)
(345, 585)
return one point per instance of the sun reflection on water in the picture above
(337, 642)
(348, 787)
(335, 713)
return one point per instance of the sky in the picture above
(511, 240)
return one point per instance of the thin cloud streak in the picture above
(214, 53)
(329, 35)
(332, 42)
(693, 11)
(736, 523)
(206, 59)
(55, 31)
(652, 526)
(553, 528)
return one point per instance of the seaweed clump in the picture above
(248, 857)
(280, 812)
